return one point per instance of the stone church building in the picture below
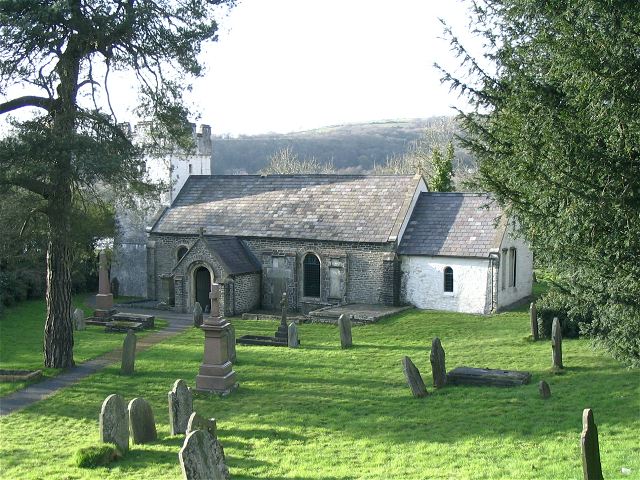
(333, 239)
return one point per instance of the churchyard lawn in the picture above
(320, 412)
(21, 334)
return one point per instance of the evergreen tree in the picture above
(63, 52)
(555, 129)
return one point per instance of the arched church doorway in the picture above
(203, 286)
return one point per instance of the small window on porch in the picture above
(311, 275)
(448, 279)
(182, 251)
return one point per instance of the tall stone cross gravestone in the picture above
(533, 317)
(104, 298)
(216, 373)
(591, 467)
(556, 344)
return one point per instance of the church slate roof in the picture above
(453, 224)
(234, 257)
(353, 208)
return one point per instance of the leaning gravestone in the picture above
(292, 339)
(114, 422)
(180, 407)
(413, 377)
(197, 315)
(556, 345)
(141, 422)
(201, 458)
(231, 343)
(128, 353)
(591, 467)
(344, 324)
(78, 319)
(544, 390)
(533, 318)
(438, 369)
(198, 422)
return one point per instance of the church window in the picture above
(190, 169)
(448, 279)
(513, 267)
(182, 251)
(311, 275)
(504, 268)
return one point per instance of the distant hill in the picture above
(352, 148)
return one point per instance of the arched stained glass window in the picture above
(182, 251)
(448, 279)
(311, 275)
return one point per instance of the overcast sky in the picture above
(288, 65)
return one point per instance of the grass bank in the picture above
(320, 412)
(21, 340)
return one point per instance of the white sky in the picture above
(288, 65)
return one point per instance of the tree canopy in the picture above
(555, 126)
(58, 55)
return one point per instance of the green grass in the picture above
(320, 412)
(21, 340)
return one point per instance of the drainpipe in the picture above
(494, 260)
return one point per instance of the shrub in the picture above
(569, 311)
(97, 455)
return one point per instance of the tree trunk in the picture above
(58, 329)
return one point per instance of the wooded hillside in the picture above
(352, 148)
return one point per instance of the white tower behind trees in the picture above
(171, 166)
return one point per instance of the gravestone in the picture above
(556, 344)
(201, 457)
(78, 319)
(231, 343)
(141, 422)
(198, 422)
(413, 377)
(438, 369)
(344, 324)
(591, 467)
(114, 422)
(180, 407)
(487, 376)
(128, 353)
(533, 317)
(197, 315)
(293, 340)
(544, 389)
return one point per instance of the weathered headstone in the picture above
(142, 425)
(344, 325)
(128, 353)
(438, 368)
(533, 317)
(231, 343)
(197, 315)
(114, 422)
(591, 467)
(201, 458)
(293, 340)
(198, 422)
(78, 319)
(556, 345)
(544, 389)
(413, 377)
(180, 407)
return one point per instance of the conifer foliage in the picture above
(555, 129)
(58, 56)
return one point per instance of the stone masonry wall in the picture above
(356, 268)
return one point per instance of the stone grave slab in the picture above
(202, 458)
(147, 321)
(123, 327)
(413, 377)
(114, 422)
(198, 422)
(487, 376)
(437, 359)
(180, 407)
(142, 425)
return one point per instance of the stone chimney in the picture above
(203, 140)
